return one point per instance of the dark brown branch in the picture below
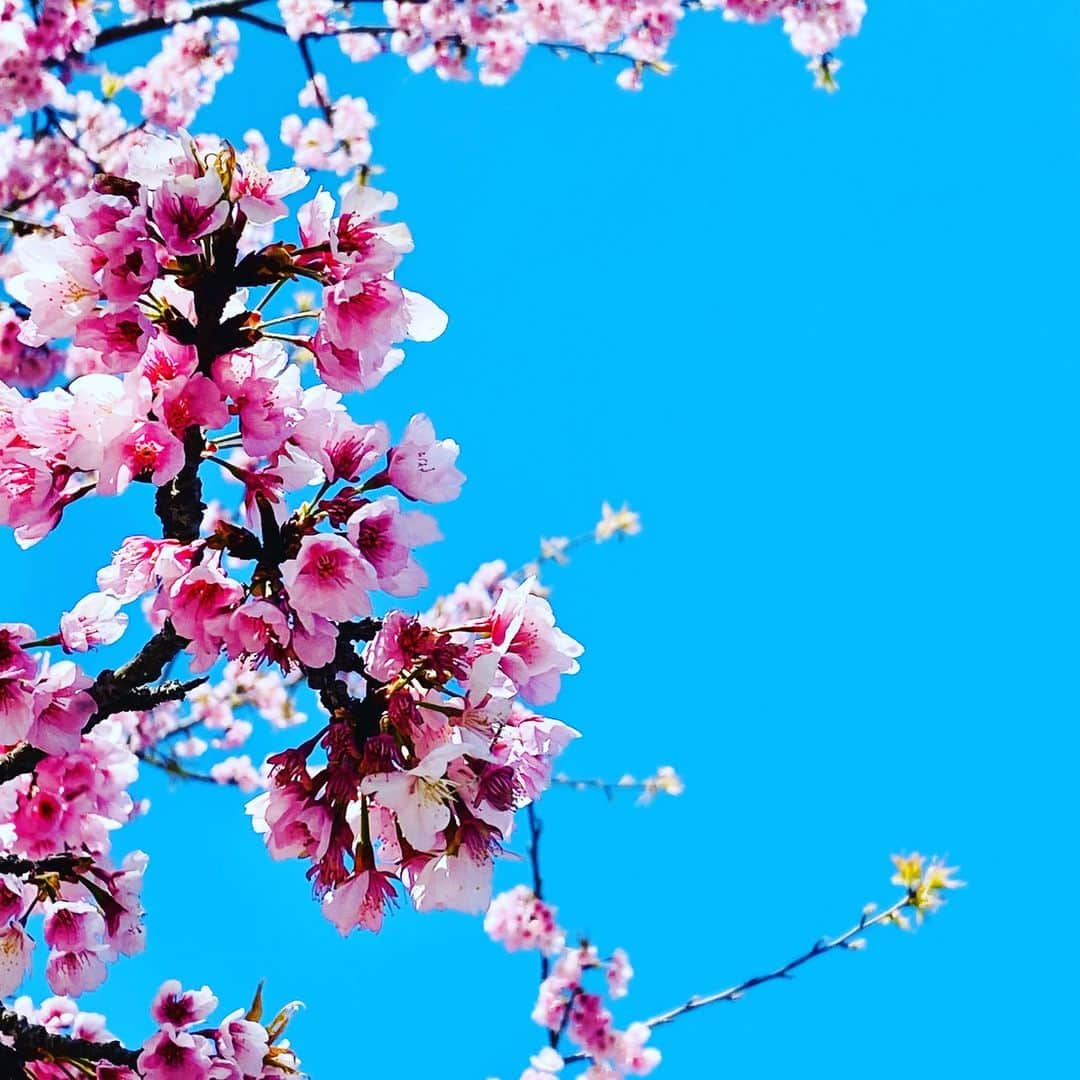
(68, 862)
(309, 67)
(259, 21)
(32, 1042)
(178, 503)
(115, 691)
(125, 31)
(535, 829)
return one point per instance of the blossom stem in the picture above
(293, 339)
(42, 643)
(314, 314)
(269, 294)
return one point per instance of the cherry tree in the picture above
(179, 312)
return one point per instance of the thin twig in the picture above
(819, 948)
(535, 829)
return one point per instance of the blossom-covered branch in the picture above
(42, 1042)
(112, 692)
(520, 919)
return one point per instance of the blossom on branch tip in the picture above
(623, 522)
(924, 883)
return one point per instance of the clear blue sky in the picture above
(827, 347)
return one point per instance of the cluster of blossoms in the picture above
(42, 702)
(240, 1047)
(519, 919)
(428, 751)
(32, 44)
(60, 1016)
(427, 757)
(183, 76)
(123, 272)
(148, 275)
(74, 134)
(91, 910)
(445, 35)
(925, 882)
(45, 47)
(338, 140)
(81, 133)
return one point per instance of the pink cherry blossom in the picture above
(532, 651)
(16, 948)
(422, 467)
(200, 603)
(171, 1054)
(329, 578)
(61, 708)
(150, 447)
(294, 826)
(242, 1041)
(385, 536)
(521, 920)
(188, 208)
(259, 193)
(174, 1005)
(77, 971)
(139, 564)
(360, 901)
(95, 620)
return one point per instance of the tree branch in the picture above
(126, 31)
(115, 691)
(67, 862)
(535, 828)
(819, 948)
(32, 1042)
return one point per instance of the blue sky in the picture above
(826, 346)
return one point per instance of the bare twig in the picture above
(846, 940)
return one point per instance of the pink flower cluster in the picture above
(520, 920)
(101, 275)
(45, 703)
(815, 27)
(183, 76)
(60, 1016)
(240, 1047)
(444, 34)
(365, 310)
(39, 173)
(75, 798)
(91, 922)
(427, 758)
(29, 46)
(339, 140)
(288, 613)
